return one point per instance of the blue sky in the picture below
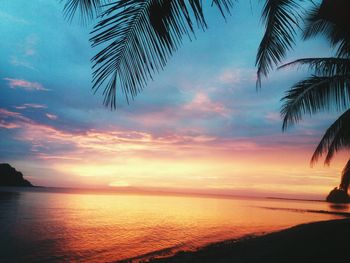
(201, 113)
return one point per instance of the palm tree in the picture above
(329, 86)
(138, 38)
(153, 30)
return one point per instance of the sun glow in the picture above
(174, 160)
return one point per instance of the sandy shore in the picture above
(326, 241)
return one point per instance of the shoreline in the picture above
(323, 241)
(151, 191)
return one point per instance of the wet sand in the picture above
(326, 241)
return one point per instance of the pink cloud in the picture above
(51, 143)
(201, 103)
(11, 119)
(27, 85)
(6, 125)
(45, 156)
(51, 116)
(45, 139)
(6, 113)
(200, 107)
(273, 117)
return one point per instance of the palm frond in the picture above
(87, 9)
(315, 94)
(323, 66)
(336, 137)
(281, 19)
(223, 6)
(345, 177)
(330, 18)
(315, 25)
(138, 38)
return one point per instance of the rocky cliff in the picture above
(9, 176)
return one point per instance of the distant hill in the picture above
(9, 176)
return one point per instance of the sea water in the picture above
(51, 225)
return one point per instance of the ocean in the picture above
(67, 225)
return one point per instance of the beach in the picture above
(325, 241)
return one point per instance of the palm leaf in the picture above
(323, 66)
(88, 9)
(281, 18)
(331, 19)
(336, 137)
(345, 177)
(315, 94)
(138, 38)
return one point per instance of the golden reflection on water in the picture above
(105, 228)
(113, 227)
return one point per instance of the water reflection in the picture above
(8, 210)
(341, 207)
(56, 227)
(6, 196)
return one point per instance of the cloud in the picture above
(237, 76)
(119, 184)
(196, 114)
(273, 117)
(29, 45)
(51, 116)
(11, 119)
(11, 18)
(7, 113)
(26, 49)
(31, 105)
(121, 157)
(201, 103)
(5, 125)
(21, 62)
(49, 142)
(24, 84)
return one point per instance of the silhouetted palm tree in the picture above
(138, 37)
(329, 86)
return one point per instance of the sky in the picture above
(199, 125)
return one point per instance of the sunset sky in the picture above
(200, 124)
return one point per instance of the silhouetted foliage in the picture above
(281, 19)
(329, 86)
(10, 177)
(338, 196)
(137, 38)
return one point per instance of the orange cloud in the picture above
(119, 157)
(131, 158)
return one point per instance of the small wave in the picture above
(345, 214)
(164, 252)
